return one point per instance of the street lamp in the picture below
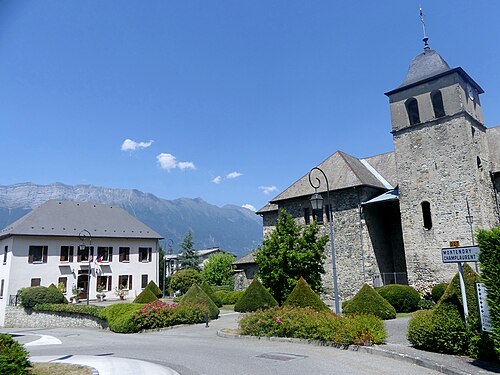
(317, 204)
(165, 260)
(83, 236)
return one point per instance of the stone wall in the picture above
(19, 317)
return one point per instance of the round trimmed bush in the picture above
(119, 317)
(438, 291)
(145, 296)
(182, 280)
(14, 359)
(303, 296)
(40, 294)
(256, 297)
(368, 301)
(402, 297)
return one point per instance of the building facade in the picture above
(83, 247)
(393, 213)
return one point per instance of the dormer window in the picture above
(437, 103)
(412, 110)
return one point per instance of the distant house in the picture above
(245, 271)
(173, 264)
(52, 245)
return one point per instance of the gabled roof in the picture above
(65, 218)
(246, 259)
(493, 136)
(342, 170)
(385, 164)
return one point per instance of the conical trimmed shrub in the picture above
(303, 296)
(255, 297)
(368, 301)
(196, 296)
(155, 289)
(145, 296)
(208, 289)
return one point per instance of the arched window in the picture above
(426, 215)
(412, 109)
(437, 103)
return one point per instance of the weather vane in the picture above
(425, 38)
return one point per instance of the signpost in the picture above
(458, 255)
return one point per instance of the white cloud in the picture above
(217, 180)
(130, 145)
(249, 206)
(233, 175)
(268, 189)
(169, 161)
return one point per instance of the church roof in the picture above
(427, 64)
(66, 218)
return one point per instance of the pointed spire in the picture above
(425, 39)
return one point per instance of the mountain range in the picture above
(232, 228)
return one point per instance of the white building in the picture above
(60, 242)
(173, 263)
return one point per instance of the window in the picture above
(124, 254)
(426, 215)
(63, 281)
(125, 281)
(106, 283)
(144, 281)
(36, 281)
(307, 216)
(38, 254)
(66, 254)
(145, 254)
(437, 103)
(412, 110)
(6, 250)
(1, 288)
(104, 254)
(85, 253)
(318, 215)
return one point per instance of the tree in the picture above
(183, 280)
(218, 270)
(188, 258)
(288, 253)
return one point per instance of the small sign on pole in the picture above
(484, 311)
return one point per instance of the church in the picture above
(393, 213)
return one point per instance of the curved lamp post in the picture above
(84, 234)
(170, 243)
(317, 204)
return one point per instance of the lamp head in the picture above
(316, 201)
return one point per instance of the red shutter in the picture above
(130, 281)
(45, 250)
(109, 283)
(70, 258)
(110, 254)
(140, 255)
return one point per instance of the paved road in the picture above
(194, 350)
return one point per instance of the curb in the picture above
(422, 362)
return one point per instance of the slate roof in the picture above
(246, 259)
(427, 64)
(385, 164)
(66, 218)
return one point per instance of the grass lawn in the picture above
(58, 369)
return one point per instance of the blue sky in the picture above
(230, 101)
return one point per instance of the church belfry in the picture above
(439, 142)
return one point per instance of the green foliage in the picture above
(209, 291)
(145, 296)
(442, 332)
(489, 242)
(119, 317)
(189, 258)
(438, 291)
(218, 269)
(288, 253)
(90, 310)
(183, 280)
(159, 314)
(229, 297)
(368, 301)
(254, 298)
(154, 288)
(307, 323)
(40, 294)
(303, 296)
(196, 296)
(14, 359)
(402, 297)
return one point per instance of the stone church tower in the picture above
(442, 161)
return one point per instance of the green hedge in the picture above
(209, 291)
(307, 323)
(145, 296)
(119, 317)
(196, 296)
(254, 298)
(303, 296)
(402, 297)
(91, 310)
(159, 314)
(229, 297)
(155, 289)
(489, 242)
(14, 359)
(32, 296)
(438, 291)
(368, 301)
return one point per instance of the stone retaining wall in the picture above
(17, 317)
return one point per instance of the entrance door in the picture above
(82, 283)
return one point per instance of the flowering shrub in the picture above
(307, 323)
(159, 314)
(424, 288)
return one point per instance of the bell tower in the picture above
(441, 153)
